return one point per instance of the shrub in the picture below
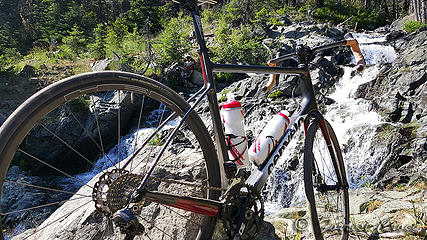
(173, 42)
(115, 34)
(365, 18)
(8, 59)
(412, 26)
(98, 47)
(75, 41)
(238, 46)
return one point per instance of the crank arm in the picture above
(196, 205)
(240, 229)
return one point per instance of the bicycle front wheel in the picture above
(325, 183)
(72, 154)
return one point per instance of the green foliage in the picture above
(98, 46)
(79, 105)
(237, 46)
(156, 140)
(115, 34)
(173, 42)
(238, 12)
(366, 182)
(145, 15)
(224, 77)
(276, 94)
(365, 18)
(412, 26)
(7, 59)
(3, 64)
(75, 41)
(223, 97)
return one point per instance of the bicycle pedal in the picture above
(230, 169)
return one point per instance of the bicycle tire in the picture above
(325, 184)
(33, 114)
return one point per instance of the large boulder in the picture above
(76, 124)
(102, 65)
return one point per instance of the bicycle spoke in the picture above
(54, 168)
(186, 218)
(323, 157)
(139, 124)
(118, 131)
(45, 188)
(99, 133)
(151, 149)
(59, 219)
(147, 236)
(72, 124)
(170, 236)
(84, 130)
(69, 146)
(40, 206)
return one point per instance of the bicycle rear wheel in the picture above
(325, 183)
(72, 154)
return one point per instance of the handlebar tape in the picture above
(360, 60)
(272, 81)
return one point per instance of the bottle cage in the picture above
(238, 157)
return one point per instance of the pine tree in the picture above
(75, 40)
(97, 48)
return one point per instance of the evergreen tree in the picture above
(143, 11)
(75, 40)
(98, 47)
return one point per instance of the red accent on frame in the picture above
(196, 207)
(325, 132)
(305, 128)
(202, 63)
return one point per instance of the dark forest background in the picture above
(76, 29)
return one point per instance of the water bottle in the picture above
(268, 138)
(235, 136)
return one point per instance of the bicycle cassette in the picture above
(113, 190)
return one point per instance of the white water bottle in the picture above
(235, 136)
(268, 138)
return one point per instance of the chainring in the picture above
(254, 212)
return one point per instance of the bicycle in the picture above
(192, 190)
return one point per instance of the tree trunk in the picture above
(367, 4)
(385, 7)
(394, 10)
(424, 11)
(416, 9)
(406, 5)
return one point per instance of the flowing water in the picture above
(354, 123)
(352, 119)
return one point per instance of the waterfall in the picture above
(352, 119)
(354, 123)
(128, 145)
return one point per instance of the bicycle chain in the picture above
(108, 195)
(201, 186)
